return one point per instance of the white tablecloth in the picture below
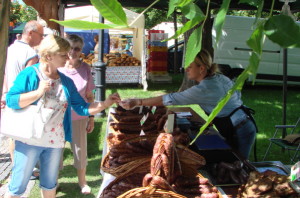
(123, 74)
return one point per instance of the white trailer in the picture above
(232, 53)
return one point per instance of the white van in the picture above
(232, 53)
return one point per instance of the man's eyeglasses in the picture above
(76, 49)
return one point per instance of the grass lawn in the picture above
(265, 99)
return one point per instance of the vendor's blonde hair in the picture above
(52, 44)
(204, 57)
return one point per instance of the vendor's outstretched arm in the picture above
(155, 101)
(131, 103)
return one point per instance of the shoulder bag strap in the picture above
(42, 99)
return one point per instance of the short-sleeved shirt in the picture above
(18, 55)
(83, 80)
(207, 94)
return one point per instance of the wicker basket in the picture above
(141, 164)
(143, 192)
(190, 158)
(112, 189)
(127, 136)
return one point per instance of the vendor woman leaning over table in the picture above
(232, 122)
(60, 94)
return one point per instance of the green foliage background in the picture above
(21, 13)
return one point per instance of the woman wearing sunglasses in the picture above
(80, 73)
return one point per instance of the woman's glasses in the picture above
(76, 49)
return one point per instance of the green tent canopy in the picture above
(18, 29)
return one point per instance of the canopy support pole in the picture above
(284, 90)
(100, 69)
(176, 45)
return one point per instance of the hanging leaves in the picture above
(194, 45)
(86, 25)
(196, 16)
(111, 10)
(220, 19)
(283, 30)
(177, 3)
(255, 40)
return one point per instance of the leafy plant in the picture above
(21, 13)
(280, 29)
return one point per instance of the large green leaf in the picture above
(172, 6)
(255, 41)
(193, 46)
(220, 19)
(283, 30)
(253, 63)
(111, 10)
(187, 26)
(191, 11)
(260, 7)
(183, 3)
(86, 25)
(177, 3)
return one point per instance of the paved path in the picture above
(5, 168)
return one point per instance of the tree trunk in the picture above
(206, 44)
(4, 24)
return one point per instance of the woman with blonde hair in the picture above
(233, 122)
(60, 93)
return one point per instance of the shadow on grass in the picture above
(68, 186)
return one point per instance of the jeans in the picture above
(25, 159)
(246, 136)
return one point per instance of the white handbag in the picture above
(25, 123)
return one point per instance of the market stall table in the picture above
(108, 178)
(212, 155)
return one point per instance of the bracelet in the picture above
(91, 116)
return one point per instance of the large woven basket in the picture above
(156, 193)
(141, 164)
(112, 190)
(190, 161)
